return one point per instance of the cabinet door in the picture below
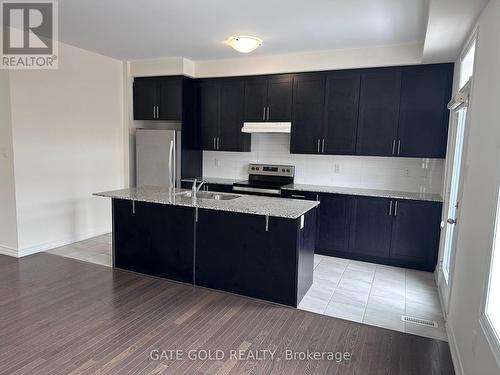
(308, 113)
(333, 224)
(378, 112)
(341, 107)
(423, 123)
(255, 99)
(209, 114)
(231, 107)
(154, 239)
(280, 98)
(145, 98)
(170, 103)
(415, 234)
(370, 227)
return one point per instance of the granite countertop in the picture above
(247, 204)
(366, 192)
(212, 180)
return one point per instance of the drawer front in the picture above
(295, 194)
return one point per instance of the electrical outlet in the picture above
(406, 172)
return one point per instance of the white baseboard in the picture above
(58, 243)
(7, 250)
(455, 356)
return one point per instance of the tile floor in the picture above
(358, 291)
(94, 250)
(375, 294)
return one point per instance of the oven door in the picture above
(252, 190)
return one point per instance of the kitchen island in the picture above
(250, 245)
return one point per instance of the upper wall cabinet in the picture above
(423, 116)
(379, 112)
(341, 113)
(158, 98)
(268, 98)
(221, 106)
(308, 114)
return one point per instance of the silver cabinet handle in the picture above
(323, 146)
(268, 112)
(154, 111)
(298, 196)
(399, 146)
(264, 113)
(214, 144)
(396, 209)
(390, 208)
(318, 144)
(218, 143)
(393, 146)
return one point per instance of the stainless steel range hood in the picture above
(266, 127)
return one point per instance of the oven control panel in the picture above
(271, 170)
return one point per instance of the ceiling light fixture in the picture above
(244, 44)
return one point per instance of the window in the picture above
(493, 293)
(467, 64)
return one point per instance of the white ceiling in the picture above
(196, 29)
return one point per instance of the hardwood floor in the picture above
(63, 316)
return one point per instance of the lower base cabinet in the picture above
(397, 232)
(236, 253)
(154, 239)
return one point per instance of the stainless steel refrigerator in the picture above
(158, 157)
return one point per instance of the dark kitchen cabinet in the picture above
(154, 239)
(308, 113)
(341, 113)
(158, 98)
(221, 106)
(145, 98)
(280, 266)
(269, 98)
(423, 118)
(379, 112)
(415, 233)
(371, 226)
(333, 223)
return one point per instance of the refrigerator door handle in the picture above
(170, 161)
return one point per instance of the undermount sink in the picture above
(211, 195)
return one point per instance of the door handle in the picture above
(214, 144)
(264, 113)
(318, 144)
(154, 111)
(323, 146)
(157, 112)
(390, 208)
(396, 209)
(451, 221)
(393, 146)
(399, 146)
(268, 112)
(218, 143)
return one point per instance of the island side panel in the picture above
(154, 239)
(305, 255)
(235, 253)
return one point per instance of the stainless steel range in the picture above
(266, 179)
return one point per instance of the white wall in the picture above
(68, 143)
(478, 205)
(8, 226)
(406, 174)
(295, 62)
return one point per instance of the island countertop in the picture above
(247, 204)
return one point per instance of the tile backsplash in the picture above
(405, 174)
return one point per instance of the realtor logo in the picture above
(29, 35)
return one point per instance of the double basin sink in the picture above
(209, 195)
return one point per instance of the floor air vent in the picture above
(421, 322)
